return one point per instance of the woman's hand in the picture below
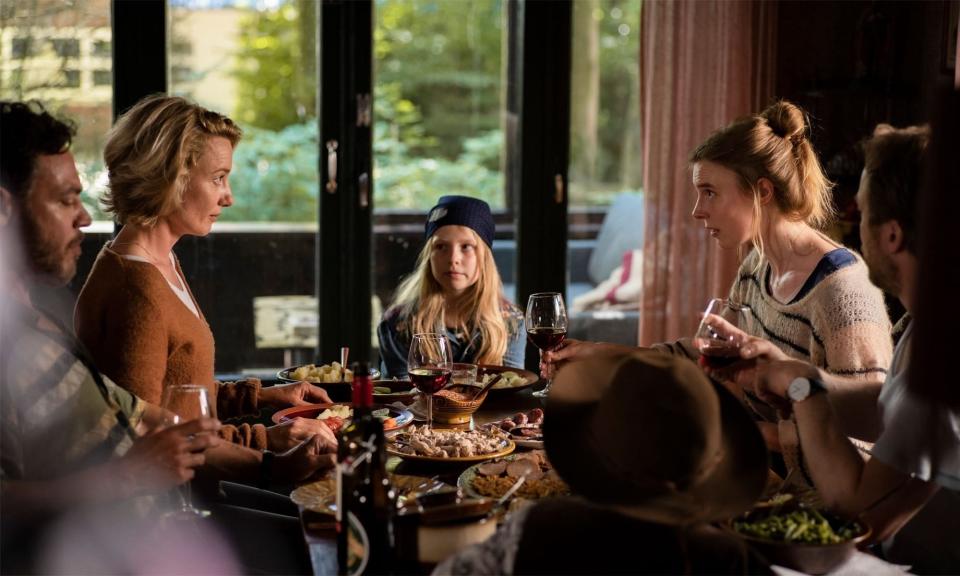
(283, 437)
(167, 458)
(296, 394)
(753, 351)
(305, 460)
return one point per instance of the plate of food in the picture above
(389, 391)
(335, 416)
(524, 428)
(420, 443)
(791, 534)
(321, 495)
(332, 373)
(513, 378)
(492, 479)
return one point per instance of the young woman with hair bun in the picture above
(762, 191)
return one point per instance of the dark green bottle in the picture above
(365, 544)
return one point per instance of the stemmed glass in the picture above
(546, 321)
(430, 364)
(186, 402)
(719, 348)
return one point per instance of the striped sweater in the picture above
(840, 325)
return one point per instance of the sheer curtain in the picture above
(703, 64)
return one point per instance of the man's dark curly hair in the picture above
(27, 130)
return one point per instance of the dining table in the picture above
(319, 529)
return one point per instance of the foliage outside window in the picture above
(605, 155)
(55, 57)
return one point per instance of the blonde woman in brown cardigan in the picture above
(169, 161)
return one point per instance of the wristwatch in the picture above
(802, 388)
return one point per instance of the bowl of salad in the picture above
(800, 537)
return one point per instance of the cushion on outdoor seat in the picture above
(622, 231)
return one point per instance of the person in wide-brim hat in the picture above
(650, 434)
(653, 452)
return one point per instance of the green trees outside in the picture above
(438, 105)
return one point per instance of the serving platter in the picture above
(321, 495)
(466, 481)
(400, 391)
(529, 378)
(403, 418)
(508, 447)
(285, 375)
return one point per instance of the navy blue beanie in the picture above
(462, 211)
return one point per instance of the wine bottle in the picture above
(366, 501)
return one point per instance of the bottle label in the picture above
(358, 546)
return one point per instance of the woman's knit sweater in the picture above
(144, 338)
(840, 325)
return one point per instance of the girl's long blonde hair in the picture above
(420, 297)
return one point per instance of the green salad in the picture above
(806, 526)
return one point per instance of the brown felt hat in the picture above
(649, 434)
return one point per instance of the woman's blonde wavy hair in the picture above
(774, 145)
(150, 152)
(420, 297)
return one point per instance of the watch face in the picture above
(799, 389)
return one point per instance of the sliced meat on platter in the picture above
(492, 468)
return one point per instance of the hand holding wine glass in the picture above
(546, 322)
(721, 333)
(186, 403)
(429, 364)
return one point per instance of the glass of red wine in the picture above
(429, 364)
(718, 348)
(183, 403)
(546, 322)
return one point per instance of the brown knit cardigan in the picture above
(144, 338)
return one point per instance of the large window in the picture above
(256, 62)
(605, 156)
(59, 53)
(605, 102)
(438, 102)
(254, 275)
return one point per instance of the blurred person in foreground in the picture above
(455, 290)
(60, 414)
(643, 502)
(169, 163)
(71, 438)
(909, 490)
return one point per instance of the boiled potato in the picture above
(326, 374)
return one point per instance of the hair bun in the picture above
(786, 121)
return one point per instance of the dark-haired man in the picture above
(909, 490)
(70, 437)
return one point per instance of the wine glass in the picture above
(719, 350)
(430, 364)
(546, 321)
(186, 402)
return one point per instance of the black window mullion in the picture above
(543, 141)
(139, 51)
(344, 239)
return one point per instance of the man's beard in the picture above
(882, 272)
(42, 257)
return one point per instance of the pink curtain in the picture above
(703, 64)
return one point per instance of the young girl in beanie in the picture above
(455, 290)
